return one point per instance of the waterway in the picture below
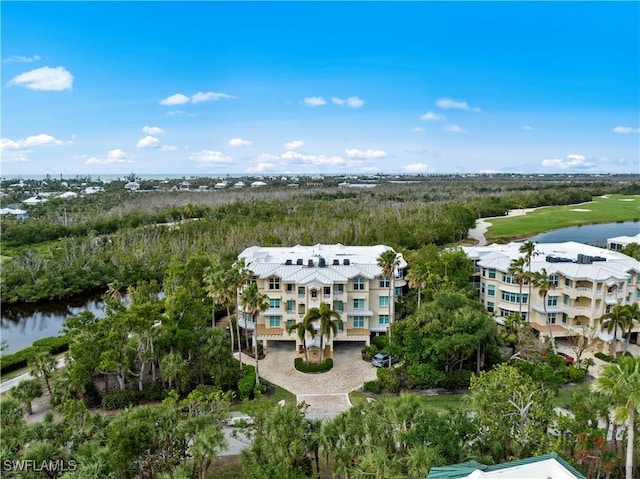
(20, 326)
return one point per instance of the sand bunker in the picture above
(579, 209)
(626, 199)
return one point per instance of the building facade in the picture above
(586, 283)
(299, 278)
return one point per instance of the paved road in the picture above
(13, 382)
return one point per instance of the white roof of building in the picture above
(291, 263)
(625, 240)
(612, 265)
(549, 468)
(68, 194)
(12, 211)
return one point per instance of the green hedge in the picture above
(368, 352)
(373, 387)
(119, 399)
(390, 379)
(326, 365)
(604, 357)
(247, 381)
(20, 359)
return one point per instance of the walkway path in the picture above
(482, 225)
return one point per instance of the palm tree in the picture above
(528, 249)
(240, 276)
(618, 317)
(221, 288)
(388, 261)
(254, 302)
(634, 313)
(417, 277)
(620, 382)
(328, 319)
(516, 270)
(302, 328)
(544, 284)
(43, 365)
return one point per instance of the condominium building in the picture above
(299, 278)
(586, 283)
(621, 242)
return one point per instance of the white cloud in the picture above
(364, 154)
(314, 101)
(577, 162)
(267, 157)
(45, 78)
(625, 130)
(417, 168)
(21, 59)
(35, 140)
(177, 99)
(453, 129)
(527, 127)
(294, 145)
(448, 103)
(153, 130)
(168, 148)
(210, 158)
(148, 142)
(209, 96)
(431, 116)
(176, 113)
(235, 142)
(337, 101)
(417, 129)
(355, 102)
(115, 156)
(261, 167)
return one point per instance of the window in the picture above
(326, 291)
(491, 290)
(339, 306)
(338, 288)
(247, 317)
(637, 293)
(490, 306)
(290, 324)
(274, 321)
(314, 294)
(567, 282)
(358, 321)
(291, 305)
(484, 272)
(274, 283)
(565, 300)
(553, 279)
(358, 284)
(383, 301)
(398, 291)
(513, 297)
(340, 326)
(551, 318)
(564, 318)
(383, 319)
(291, 287)
(358, 303)
(482, 287)
(492, 273)
(507, 278)
(301, 291)
(274, 303)
(552, 301)
(384, 282)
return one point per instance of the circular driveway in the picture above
(326, 393)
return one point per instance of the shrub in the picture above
(119, 399)
(458, 379)
(368, 352)
(300, 365)
(575, 375)
(373, 387)
(604, 357)
(54, 344)
(247, 382)
(424, 376)
(154, 392)
(380, 342)
(20, 359)
(390, 379)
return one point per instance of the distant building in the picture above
(546, 466)
(18, 213)
(220, 185)
(132, 186)
(587, 283)
(258, 184)
(67, 195)
(239, 184)
(298, 278)
(621, 242)
(89, 190)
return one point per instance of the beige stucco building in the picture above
(299, 278)
(587, 283)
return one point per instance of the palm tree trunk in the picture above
(614, 346)
(321, 347)
(630, 438)
(627, 340)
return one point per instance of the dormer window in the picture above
(358, 283)
(274, 283)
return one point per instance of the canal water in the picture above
(20, 326)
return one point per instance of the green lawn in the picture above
(603, 209)
(438, 402)
(565, 395)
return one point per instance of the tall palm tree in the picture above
(634, 313)
(417, 277)
(543, 282)
(388, 261)
(301, 329)
(620, 382)
(516, 270)
(254, 302)
(43, 365)
(528, 249)
(222, 291)
(241, 275)
(328, 319)
(618, 317)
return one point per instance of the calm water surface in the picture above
(595, 235)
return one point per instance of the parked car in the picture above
(381, 360)
(568, 359)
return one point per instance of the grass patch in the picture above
(358, 397)
(280, 394)
(227, 467)
(602, 209)
(564, 398)
(438, 402)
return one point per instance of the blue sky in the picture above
(317, 87)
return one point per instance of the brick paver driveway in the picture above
(326, 393)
